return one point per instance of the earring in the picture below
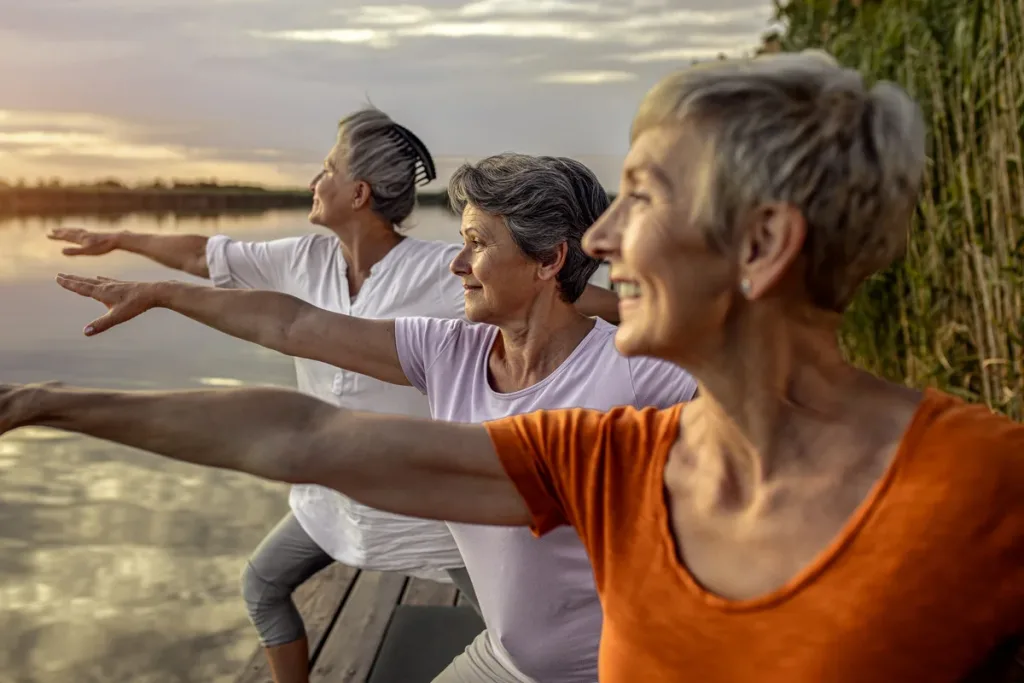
(746, 287)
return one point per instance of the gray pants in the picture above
(478, 664)
(285, 559)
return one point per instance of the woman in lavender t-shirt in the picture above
(527, 348)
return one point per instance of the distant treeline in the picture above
(112, 197)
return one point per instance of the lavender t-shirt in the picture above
(537, 595)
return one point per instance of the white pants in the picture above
(479, 664)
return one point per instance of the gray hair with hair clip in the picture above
(424, 163)
(389, 158)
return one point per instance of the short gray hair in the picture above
(377, 156)
(801, 129)
(544, 202)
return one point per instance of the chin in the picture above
(314, 217)
(632, 339)
(478, 314)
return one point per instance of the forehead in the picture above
(671, 155)
(477, 219)
(337, 154)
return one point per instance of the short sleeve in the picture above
(419, 341)
(252, 265)
(544, 453)
(578, 467)
(659, 383)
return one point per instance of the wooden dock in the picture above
(348, 612)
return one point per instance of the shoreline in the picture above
(182, 200)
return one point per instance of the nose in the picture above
(603, 238)
(460, 264)
(315, 180)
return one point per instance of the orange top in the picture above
(925, 581)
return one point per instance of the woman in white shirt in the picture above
(367, 268)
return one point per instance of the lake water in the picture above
(116, 565)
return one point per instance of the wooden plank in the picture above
(319, 599)
(426, 592)
(351, 646)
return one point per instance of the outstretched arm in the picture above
(277, 321)
(420, 468)
(186, 253)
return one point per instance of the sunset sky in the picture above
(251, 90)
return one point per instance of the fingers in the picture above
(83, 286)
(67, 234)
(125, 300)
(113, 318)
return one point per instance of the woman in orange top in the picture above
(801, 520)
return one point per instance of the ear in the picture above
(362, 196)
(772, 242)
(549, 270)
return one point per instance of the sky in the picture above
(251, 90)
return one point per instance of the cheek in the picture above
(499, 268)
(322, 190)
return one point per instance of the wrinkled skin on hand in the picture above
(124, 300)
(90, 242)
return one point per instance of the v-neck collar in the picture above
(932, 402)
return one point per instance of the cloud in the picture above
(46, 134)
(257, 86)
(80, 146)
(383, 26)
(585, 77)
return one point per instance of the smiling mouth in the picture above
(627, 289)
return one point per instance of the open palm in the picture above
(124, 300)
(90, 243)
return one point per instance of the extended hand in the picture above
(17, 402)
(124, 300)
(90, 243)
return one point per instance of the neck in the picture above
(531, 348)
(774, 401)
(364, 242)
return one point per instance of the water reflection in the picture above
(116, 565)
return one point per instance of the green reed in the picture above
(951, 314)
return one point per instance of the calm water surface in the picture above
(116, 565)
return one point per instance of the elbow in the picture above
(321, 452)
(280, 331)
(277, 337)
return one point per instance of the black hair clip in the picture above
(424, 163)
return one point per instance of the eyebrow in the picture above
(654, 172)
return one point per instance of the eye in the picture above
(640, 197)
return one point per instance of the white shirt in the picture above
(411, 280)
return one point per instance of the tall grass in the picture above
(952, 313)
